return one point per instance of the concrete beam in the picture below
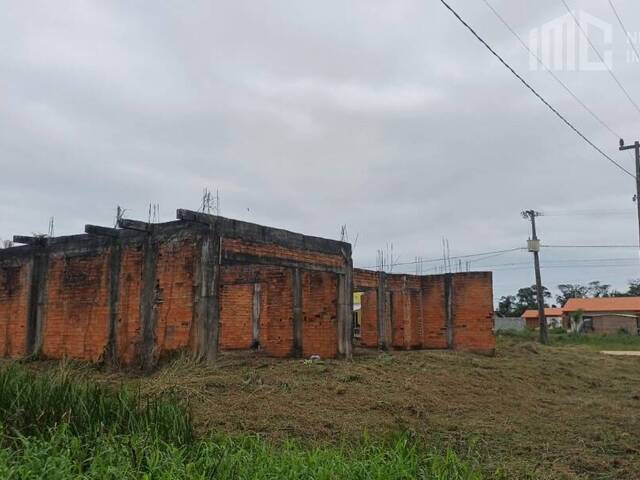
(40, 240)
(137, 225)
(102, 231)
(232, 258)
(252, 232)
(192, 216)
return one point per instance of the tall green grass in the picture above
(64, 455)
(52, 427)
(32, 404)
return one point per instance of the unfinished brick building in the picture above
(204, 283)
(453, 310)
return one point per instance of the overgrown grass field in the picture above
(563, 411)
(56, 428)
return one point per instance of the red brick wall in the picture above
(129, 327)
(77, 312)
(276, 316)
(236, 307)
(434, 334)
(366, 281)
(174, 279)
(418, 312)
(398, 317)
(14, 307)
(413, 331)
(369, 319)
(473, 312)
(363, 279)
(319, 314)
(319, 301)
(276, 307)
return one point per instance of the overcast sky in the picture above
(388, 117)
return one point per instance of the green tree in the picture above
(634, 288)
(528, 300)
(599, 290)
(508, 307)
(570, 290)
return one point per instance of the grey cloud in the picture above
(385, 116)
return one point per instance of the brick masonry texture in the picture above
(14, 307)
(174, 294)
(134, 295)
(319, 313)
(416, 308)
(128, 327)
(369, 328)
(77, 318)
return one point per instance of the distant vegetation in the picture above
(558, 337)
(54, 427)
(525, 298)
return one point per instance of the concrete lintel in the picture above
(231, 258)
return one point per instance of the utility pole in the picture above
(533, 246)
(636, 147)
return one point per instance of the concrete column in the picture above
(380, 310)
(206, 322)
(111, 351)
(448, 308)
(297, 313)
(37, 301)
(148, 304)
(345, 312)
(255, 315)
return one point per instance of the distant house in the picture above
(605, 315)
(553, 316)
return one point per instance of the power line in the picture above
(550, 72)
(626, 32)
(589, 246)
(586, 212)
(528, 86)
(624, 90)
(433, 260)
(571, 262)
(553, 267)
(492, 256)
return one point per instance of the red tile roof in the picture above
(548, 312)
(613, 304)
